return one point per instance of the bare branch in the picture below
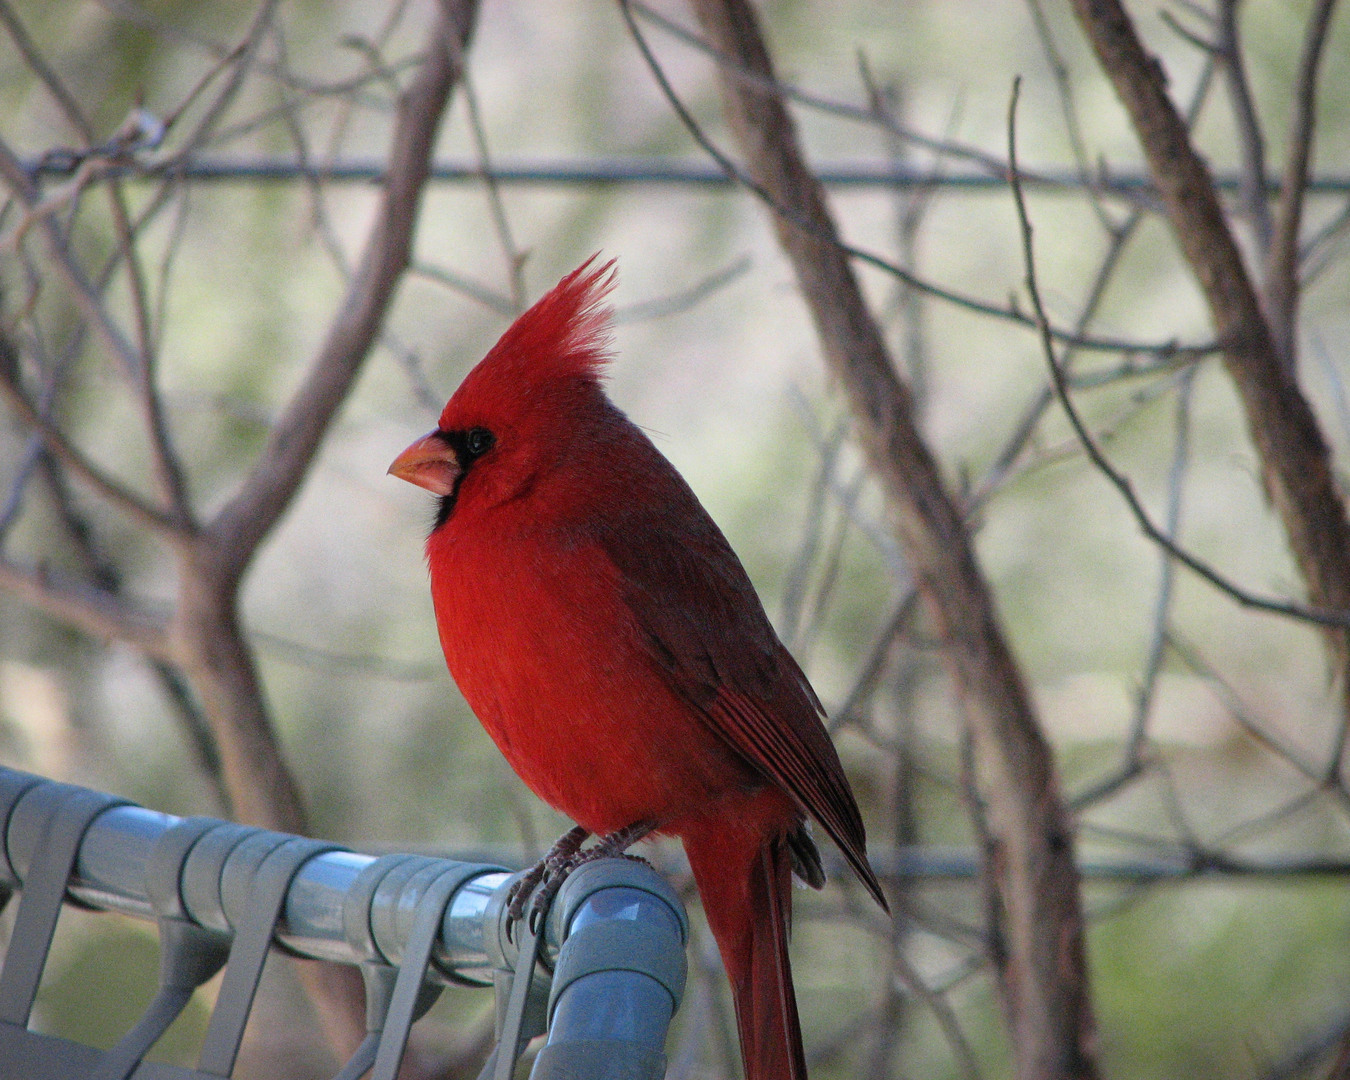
(685, 299)
(1282, 264)
(37, 63)
(1064, 86)
(474, 290)
(83, 293)
(869, 675)
(237, 62)
(936, 1003)
(167, 464)
(1173, 23)
(131, 504)
(501, 223)
(1330, 619)
(788, 212)
(100, 614)
(1250, 141)
(281, 467)
(1132, 762)
(1166, 571)
(988, 163)
(1295, 461)
(1031, 882)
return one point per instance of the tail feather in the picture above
(745, 882)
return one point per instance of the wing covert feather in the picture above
(706, 630)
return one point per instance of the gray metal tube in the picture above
(111, 875)
(615, 936)
(618, 977)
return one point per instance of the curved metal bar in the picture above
(614, 941)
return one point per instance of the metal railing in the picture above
(632, 171)
(603, 978)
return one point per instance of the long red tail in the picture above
(745, 882)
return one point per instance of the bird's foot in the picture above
(542, 873)
(547, 877)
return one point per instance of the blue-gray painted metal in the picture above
(614, 940)
(605, 172)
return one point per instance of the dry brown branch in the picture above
(95, 611)
(202, 637)
(146, 515)
(234, 65)
(1251, 142)
(754, 83)
(281, 467)
(213, 646)
(1294, 458)
(1031, 880)
(1282, 259)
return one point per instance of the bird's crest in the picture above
(564, 336)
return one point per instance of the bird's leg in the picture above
(563, 850)
(556, 872)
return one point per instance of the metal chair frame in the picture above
(603, 978)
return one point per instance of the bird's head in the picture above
(515, 413)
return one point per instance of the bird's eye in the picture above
(478, 441)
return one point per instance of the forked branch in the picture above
(1030, 877)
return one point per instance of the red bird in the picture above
(608, 639)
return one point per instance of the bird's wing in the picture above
(706, 630)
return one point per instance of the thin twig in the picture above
(37, 63)
(1132, 763)
(1251, 143)
(1069, 110)
(237, 62)
(911, 212)
(280, 468)
(1191, 37)
(373, 53)
(224, 55)
(865, 683)
(167, 464)
(1166, 571)
(1334, 619)
(988, 163)
(494, 301)
(140, 511)
(684, 299)
(501, 223)
(870, 258)
(98, 613)
(85, 296)
(1282, 261)
(1118, 238)
(797, 578)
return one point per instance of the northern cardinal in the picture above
(608, 639)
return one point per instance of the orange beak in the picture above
(429, 463)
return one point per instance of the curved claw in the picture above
(538, 913)
(519, 893)
(543, 880)
(546, 876)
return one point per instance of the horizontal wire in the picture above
(614, 171)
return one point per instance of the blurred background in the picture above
(1198, 742)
